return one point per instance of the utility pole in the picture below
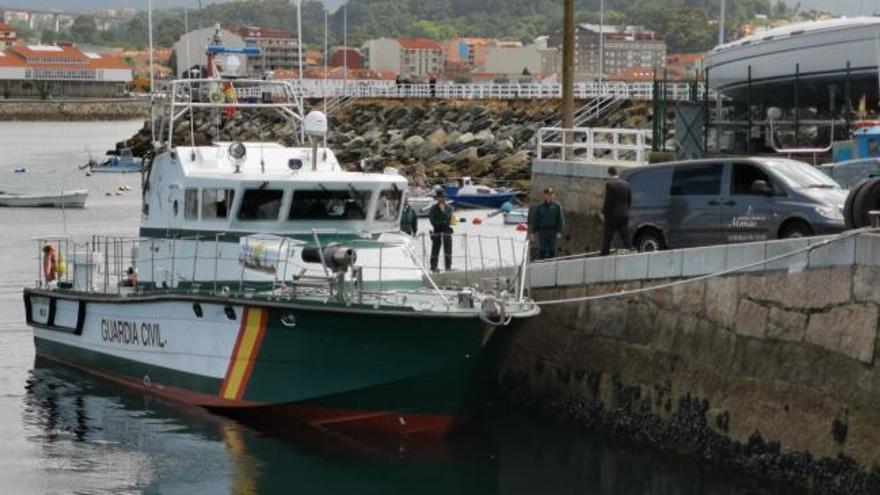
(568, 67)
(721, 23)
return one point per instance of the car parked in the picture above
(727, 200)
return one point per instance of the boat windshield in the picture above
(799, 175)
(388, 205)
(326, 204)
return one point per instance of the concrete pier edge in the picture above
(772, 372)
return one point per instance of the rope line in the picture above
(626, 293)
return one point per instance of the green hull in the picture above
(369, 369)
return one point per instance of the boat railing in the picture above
(222, 98)
(199, 264)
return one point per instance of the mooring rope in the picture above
(626, 293)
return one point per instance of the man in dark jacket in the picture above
(546, 223)
(409, 221)
(618, 200)
(440, 216)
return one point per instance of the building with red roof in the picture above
(61, 70)
(8, 35)
(407, 57)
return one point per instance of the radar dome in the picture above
(316, 123)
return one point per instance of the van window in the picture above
(216, 203)
(388, 205)
(651, 183)
(260, 204)
(744, 175)
(329, 205)
(191, 204)
(697, 180)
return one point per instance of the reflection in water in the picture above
(119, 439)
(177, 448)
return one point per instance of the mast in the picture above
(152, 75)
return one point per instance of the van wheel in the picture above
(795, 229)
(649, 240)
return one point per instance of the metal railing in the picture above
(369, 88)
(629, 146)
(202, 265)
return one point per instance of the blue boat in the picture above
(466, 194)
(124, 162)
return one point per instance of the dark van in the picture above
(726, 200)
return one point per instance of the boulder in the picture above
(425, 150)
(413, 142)
(438, 137)
(465, 138)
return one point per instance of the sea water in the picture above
(62, 431)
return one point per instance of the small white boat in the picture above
(122, 163)
(63, 199)
(517, 216)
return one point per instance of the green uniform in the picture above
(409, 221)
(441, 221)
(545, 221)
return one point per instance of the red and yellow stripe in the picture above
(244, 355)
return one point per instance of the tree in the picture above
(84, 29)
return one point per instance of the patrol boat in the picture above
(268, 282)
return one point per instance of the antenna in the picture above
(192, 125)
(152, 75)
(299, 47)
(326, 60)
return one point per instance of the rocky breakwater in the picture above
(438, 139)
(443, 139)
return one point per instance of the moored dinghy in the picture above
(61, 199)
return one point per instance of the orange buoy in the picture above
(521, 227)
(477, 221)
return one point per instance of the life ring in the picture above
(50, 263)
(217, 96)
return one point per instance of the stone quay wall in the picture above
(74, 110)
(580, 189)
(775, 372)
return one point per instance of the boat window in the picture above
(191, 204)
(260, 204)
(347, 204)
(216, 203)
(388, 205)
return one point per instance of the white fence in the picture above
(594, 144)
(319, 88)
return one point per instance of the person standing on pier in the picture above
(546, 222)
(440, 216)
(618, 199)
(433, 85)
(409, 221)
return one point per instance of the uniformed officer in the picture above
(440, 216)
(546, 223)
(409, 221)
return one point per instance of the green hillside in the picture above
(688, 25)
